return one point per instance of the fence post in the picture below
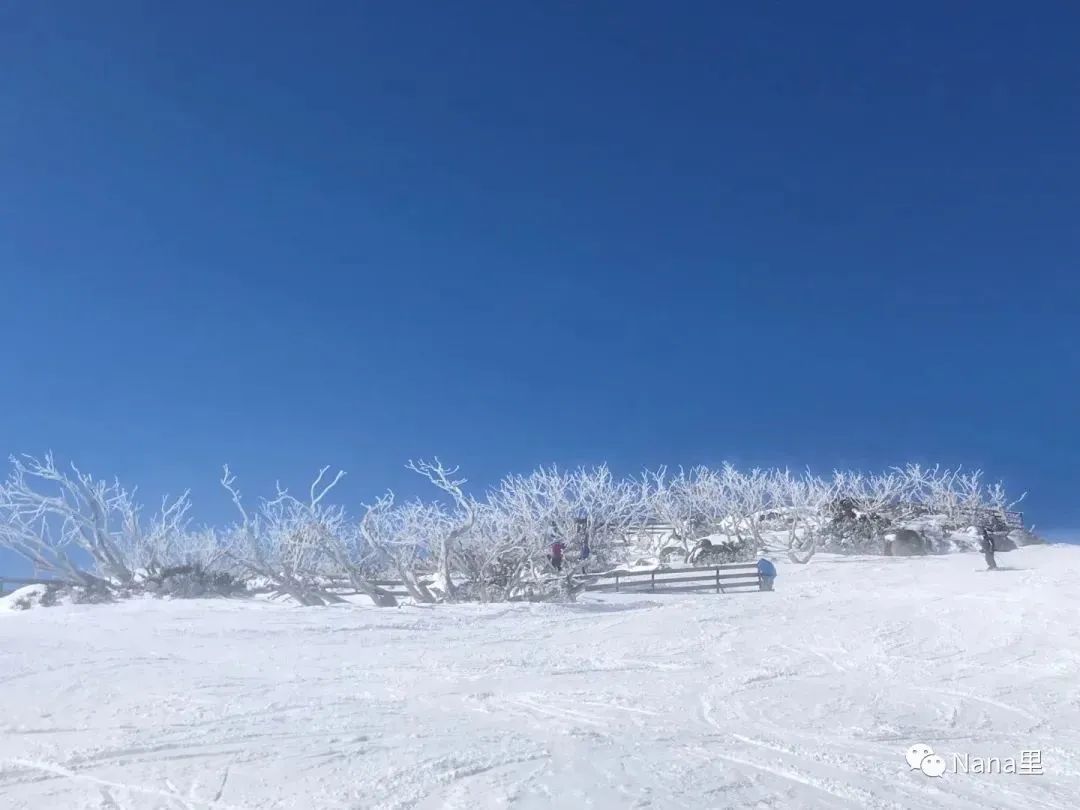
(652, 581)
(718, 580)
(616, 583)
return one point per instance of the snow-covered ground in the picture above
(805, 697)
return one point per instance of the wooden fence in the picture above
(726, 578)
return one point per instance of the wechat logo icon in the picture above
(921, 757)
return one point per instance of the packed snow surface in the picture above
(805, 697)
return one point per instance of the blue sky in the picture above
(282, 235)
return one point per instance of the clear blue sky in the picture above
(284, 235)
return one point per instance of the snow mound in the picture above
(24, 598)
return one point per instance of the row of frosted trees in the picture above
(93, 535)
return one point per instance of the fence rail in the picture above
(726, 578)
(723, 578)
(731, 577)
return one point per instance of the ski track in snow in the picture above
(806, 697)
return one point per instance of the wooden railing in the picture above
(727, 578)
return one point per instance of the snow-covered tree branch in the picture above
(530, 536)
(461, 519)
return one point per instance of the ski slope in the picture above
(806, 697)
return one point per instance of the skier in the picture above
(988, 550)
(556, 554)
(766, 573)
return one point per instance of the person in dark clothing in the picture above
(556, 555)
(766, 573)
(988, 550)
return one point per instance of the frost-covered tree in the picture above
(522, 516)
(83, 530)
(299, 545)
(504, 557)
(747, 497)
(704, 501)
(588, 511)
(604, 509)
(93, 534)
(860, 507)
(803, 499)
(404, 538)
(458, 523)
(677, 499)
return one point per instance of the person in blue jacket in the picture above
(766, 573)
